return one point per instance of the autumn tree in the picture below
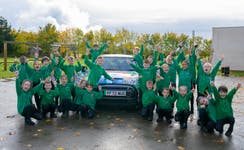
(47, 35)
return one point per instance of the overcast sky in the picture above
(142, 16)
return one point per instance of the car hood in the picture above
(121, 77)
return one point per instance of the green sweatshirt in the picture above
(96, 72)
(165, 103)
(96, 53)
(25, 97)
(185, 76)
(57, 69)
(148, 97)
(147, 74)
(65, 91)
(22, 69)
(48, 97)
(155, 58)
(139, 57)
(173, 66)
(90, 98)
(46, 70)
(182, 102)
(211, 109)
(193, 60)
(165, 82)
(204, 78)
(34, 75)
(78, 95)
(224, 105)
(161, 58)
(70, 70)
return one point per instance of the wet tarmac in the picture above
(112, 130)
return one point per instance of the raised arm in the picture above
(99, 94)
(18, 86)
(102, 48)
(215, 92)
(88, 46)
(181, 56)
(200, 67)
(136, 68)
(142, 50)
(106, 75)
(233, 92)
(155, 58)
(216, 68)
(88, 62)
(36, 88)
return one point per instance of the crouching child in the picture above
(164, 106)
(65, 94)
(182, 105)
(48, 98)
(148, 99)
(24, 104)
(224, 111)
(207, 113)
(89, 99)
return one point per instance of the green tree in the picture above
(47, 36)
(24, 36)
(6, 34)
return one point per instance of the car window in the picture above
(117, 63)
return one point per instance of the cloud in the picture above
(62, 13)
(138, 15)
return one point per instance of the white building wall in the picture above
(230, 42)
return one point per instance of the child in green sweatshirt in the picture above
(71, 69)
(207, 113)
(24, 104)
(89, 99)
(96, 71)
(65, 94)
(95, 50)
(148, 99)
(182, 105)
(164, 78)
(79, 90)
(224, 111)
(164, 105)
(21, 69)
(138, 55)
(48, 98)
(206, 74)
(185, 78)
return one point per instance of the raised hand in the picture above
(154, 87)
(85, 39)
(99, 87)
(77, 56)
(36, 54)
(87, 51)
(15, 60)
(212, 83)
(128, 61)
(222, 58)
(238, 85)
(16, 74)
(108, 42)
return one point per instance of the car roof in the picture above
(116, 55)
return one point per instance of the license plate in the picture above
(115, 93)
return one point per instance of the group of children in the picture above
(157, 85)
(53, 85)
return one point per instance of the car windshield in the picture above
(117, 63)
